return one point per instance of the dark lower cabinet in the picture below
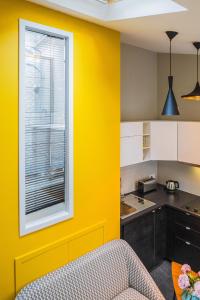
(186, 252)
(165, 233)
(147, 236)
(139, 233)
(183, 238)
(160, 235)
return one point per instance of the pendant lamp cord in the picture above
(197, 65)
(170, 58)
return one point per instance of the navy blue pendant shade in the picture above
(170, 108)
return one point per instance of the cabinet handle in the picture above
(187, 228)
(188, 243)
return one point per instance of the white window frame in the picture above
(63, 211)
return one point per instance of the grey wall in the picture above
(184, 70)
(138, 83)
(138, 102)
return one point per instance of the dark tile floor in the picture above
(162, 277)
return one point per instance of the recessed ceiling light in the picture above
(108, 1)
(103, 1)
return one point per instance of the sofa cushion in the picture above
(130, 294)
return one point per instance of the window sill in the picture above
(45, 218)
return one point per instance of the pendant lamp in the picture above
(170, 107)
(195, 94)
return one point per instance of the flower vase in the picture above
(189, 297)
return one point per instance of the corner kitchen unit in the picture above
(168, 230)
(159, 140)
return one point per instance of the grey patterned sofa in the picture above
(112, 271)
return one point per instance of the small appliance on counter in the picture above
(147, 185)
(171, 185)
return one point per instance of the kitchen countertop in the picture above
(163, 198)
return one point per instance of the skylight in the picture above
(119, 10)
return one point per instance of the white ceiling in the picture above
(145, 24)
(148, 32)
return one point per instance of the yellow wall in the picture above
(96, 146)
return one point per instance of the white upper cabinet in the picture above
(131, 150)
(131, 143)
(159, 140)
(131, 129)
(163, 140)
(189, 142)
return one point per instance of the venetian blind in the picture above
(45, 121)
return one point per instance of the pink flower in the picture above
(183, 281)
(185, 268)
(198, 273)
(197, 289)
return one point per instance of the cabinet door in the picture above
(130, 150)
(131, 129)
(170, 235)
(186, 253)
(140, 236)
(189, 142)
(164, 140)
(160, 235)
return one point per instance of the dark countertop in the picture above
(163, 198)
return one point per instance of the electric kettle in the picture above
(172, 185)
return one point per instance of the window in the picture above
(46, 121)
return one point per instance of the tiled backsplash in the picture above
(131, 174)
(187, 175)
